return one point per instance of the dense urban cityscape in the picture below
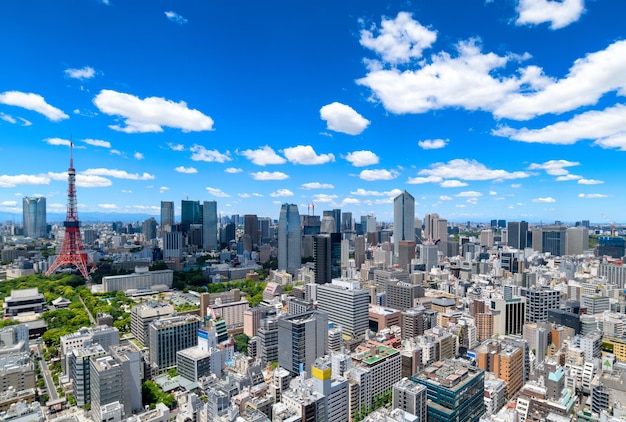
(329, 211)
(311, 317)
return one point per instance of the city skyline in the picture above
(480, 110)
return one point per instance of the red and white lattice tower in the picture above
(73, 250)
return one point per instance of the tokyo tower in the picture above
(73, 250)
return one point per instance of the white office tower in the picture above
(428, 256)
(346, 304)
(403, 219)
(289, 239)
(576, 240)
(345, 255)
(486, 237)
(333, 388)
(410, 397)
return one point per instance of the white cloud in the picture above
(116, 152)
(138, 156)
(244, 195)
(603, 126)
(150, 114)
(57, 141)
(163, 189)
(217, 192)
(176, 147)
(493, 192)
(7, 118)
(559, 13)
(108, 206)
(233, 170)
(433, 143)
(306, 155)
(452, 184)
(82, 73)
(97, 143)
(445, 198)
(554, 167)
(350, 201)
(568, 177)
(118, 174)
(126, 191)
(84, 180)
(25, 122)
(516, 185)
(263, 156)
(362, 158)
(469, 194)
(186, 170)
(547, 199)
(399, 40)
(33, 102)
(592, 195)
(316, 185)
(342, 118)
(281, 193)
(8, 203)
(469, 170)
(324, 198)
(7, 181)
(590, 182)
(379, 174)
(200, 153)
(422, 180)
(267, 175)
(363, 192)
(175, 17)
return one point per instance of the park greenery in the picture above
(151, 394)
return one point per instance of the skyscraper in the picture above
(327, 254)
(191, 213)
(167, 215)
(403, 219)
(34, 217)
(289, 239)
(148, 228)
(302, 338)
(209, 225)
(251, 228)
(553, 240)
(517, 231)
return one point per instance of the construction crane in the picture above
(612, 224)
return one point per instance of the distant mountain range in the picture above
(85, 217)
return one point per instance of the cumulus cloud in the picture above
(150, 114)
(233, 170)
(175, 17)
(108, 206)
(316, 185)
(200, 153)
(33, 102)
(606, 127)
(306, 155)
(7, 118)
(324, 198)
(263, 156)
(57, 141)
(175, 147)
(433, 143)
(350, 201)
(589, 182)
(82, 73)
(469, 170)
(362, 158)
(554, 167)
(97, 143)
(363, 192)
(118, 174)
(186, 170)
(421, 180)
(445, 198)
(138, 156)
(163, 189)
(378, 174)
(399, 40)
(469, 194)
(83, 180)
(8, 181)
(217, 192)
(547, 199)
(592, 195)
(281, 193)
(558, 13)
(452, 184)
(568, 177)
(267, 175)
(342, 118)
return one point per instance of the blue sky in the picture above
(481, 109)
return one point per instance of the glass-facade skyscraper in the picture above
(167, 215)
(403, 219)
(289, 239)
(34, 217)
(209, 225)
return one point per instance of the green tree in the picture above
(241, 343)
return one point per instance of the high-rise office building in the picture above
(336, 215)
(34, 217)
(508, 315)
(209, 226)
(539, 300)
(302, 339)
(410, 397)
(167, 215)
(455, 391)
(346, 222)
(251, 228)
(517, 234)
(359, 252)
(289, 239)
(505, 361)
(553, 240)
(577, 240)
(403, 219)
(430, 226)
(169, 335)
(191, 213)
(333, 387)
(352, 314)
(148, 228)
(327, 254)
